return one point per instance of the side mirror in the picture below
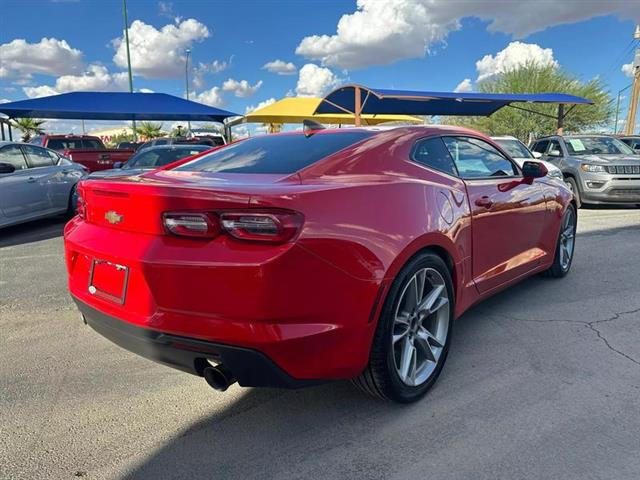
(536, 154)
(118, 164)
(531, 170)
(554, 153)
(7, 168)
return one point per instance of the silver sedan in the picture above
(35, 182)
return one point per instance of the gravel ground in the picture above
(543, 381)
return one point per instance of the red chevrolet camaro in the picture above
(291, 259)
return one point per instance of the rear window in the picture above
(274, 153)
(74, 144)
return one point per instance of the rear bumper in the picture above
(250, 367)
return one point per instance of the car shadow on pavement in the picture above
(35, 231)
(270, 433)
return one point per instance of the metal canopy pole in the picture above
(358, 107)
(560, 118)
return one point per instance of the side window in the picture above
(13, 155)
(432, 152)
(37, 157)
(477, 159)
(36, 140)
(162, 141)
(55, 158)
(555, 145)
(541, 146)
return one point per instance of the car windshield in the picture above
(515, 148)
(596, 146)
(158, 157)
(286, 153)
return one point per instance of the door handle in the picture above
(31, 179)
(484, 202)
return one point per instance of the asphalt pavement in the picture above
(542, 382)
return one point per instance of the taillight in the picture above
(272, 227)
(81, 209)
(200, 225)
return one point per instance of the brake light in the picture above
(201, 225)
(272, 227)
(81, 209)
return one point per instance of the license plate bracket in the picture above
(108, 280)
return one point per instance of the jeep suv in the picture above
(598, 168)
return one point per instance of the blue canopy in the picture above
(381, 101)
(114, 106)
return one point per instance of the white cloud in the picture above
(381, 32)
(212, 97)
(242, 88)
(280, 67)
(513, 56)
(627, 69)
(260, 105)
(314, 81)
(5, 100)
(96, 78)
(49, 56)
(465, 85)
(202, 69)
(145, 90)
(159, 53)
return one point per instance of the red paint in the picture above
(311, 301)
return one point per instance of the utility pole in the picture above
(186, 80)
(126, 39)
(615, 125)
(635, 90)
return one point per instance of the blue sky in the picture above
(420, 44)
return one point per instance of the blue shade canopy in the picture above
(408, 102)
(114, 106)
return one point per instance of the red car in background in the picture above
(291, 259)
(85, 150)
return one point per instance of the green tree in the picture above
(532, 78)
(119, 138)
(149, 130)
(29, 127)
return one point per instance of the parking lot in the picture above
(543, 381)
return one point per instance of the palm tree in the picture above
(29, 127)
(150, 130)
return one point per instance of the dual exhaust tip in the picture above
(219, 377)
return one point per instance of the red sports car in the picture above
(291, 259)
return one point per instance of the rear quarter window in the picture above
(274, 153)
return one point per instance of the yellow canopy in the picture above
(297, 109)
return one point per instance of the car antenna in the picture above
(309, 127)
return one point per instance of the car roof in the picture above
(176, 146)
(503, 137)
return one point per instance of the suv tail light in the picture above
(272, 226)
(200, 225)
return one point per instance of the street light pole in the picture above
(615, 126)
(126, 39)
(186, 78)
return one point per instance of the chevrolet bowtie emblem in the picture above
(113, 217)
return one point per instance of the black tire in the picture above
(380, 378)
(71, 205)
(557, 270)
(573, 185)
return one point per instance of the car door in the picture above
(58, 176)
(20, 193)
(508, 214)
(47, 175)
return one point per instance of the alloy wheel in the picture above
(421, 325)
(567, 239)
